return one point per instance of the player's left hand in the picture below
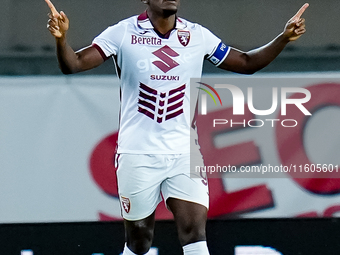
(295, 27)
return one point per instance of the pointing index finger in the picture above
(300, 12)
(54, 11)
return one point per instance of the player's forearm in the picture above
(67, 58)
(254, 60)
(259, 58)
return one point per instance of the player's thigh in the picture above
(189, 212)
(139, 183)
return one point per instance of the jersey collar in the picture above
(145, 23)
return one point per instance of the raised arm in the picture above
(70, 61)
(254, 60)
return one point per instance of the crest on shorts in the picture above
(125, 203)
(183, 37)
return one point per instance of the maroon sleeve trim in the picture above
(100, 51)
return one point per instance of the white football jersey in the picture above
(155, 77)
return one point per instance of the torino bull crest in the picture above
(183, 37)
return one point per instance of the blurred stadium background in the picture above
(57, 135)
(27, 48)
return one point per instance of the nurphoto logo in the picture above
(239, 101)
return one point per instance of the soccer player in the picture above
(156, 54)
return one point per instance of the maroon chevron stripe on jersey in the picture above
(164, 105)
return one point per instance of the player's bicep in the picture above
(89, 57)
(236, 61)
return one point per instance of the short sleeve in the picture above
(110, 40)
(215, 50)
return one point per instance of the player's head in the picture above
(162, 7)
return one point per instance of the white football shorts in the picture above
(143, 179)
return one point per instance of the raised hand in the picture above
(58, 23)
(295, 27)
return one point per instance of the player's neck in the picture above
(161, 23)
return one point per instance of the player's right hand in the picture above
(58, 23)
